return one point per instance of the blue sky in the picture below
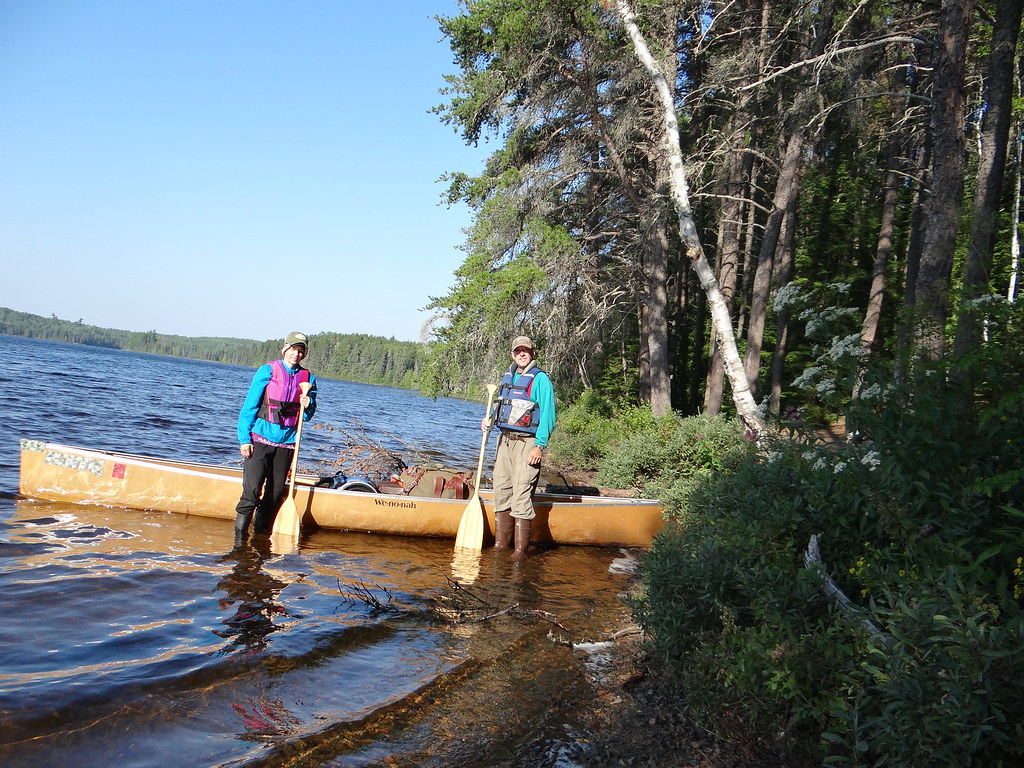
(232, 168)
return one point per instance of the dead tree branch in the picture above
(366, 456)
(359, 592)
(812, 561)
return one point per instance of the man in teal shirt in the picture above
(525, 418)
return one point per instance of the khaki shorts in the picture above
(514, 479)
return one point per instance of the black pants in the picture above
(264, 485)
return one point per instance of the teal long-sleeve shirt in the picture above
(249, 422)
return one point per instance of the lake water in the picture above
(147, 639)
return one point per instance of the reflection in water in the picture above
(466, 565)
(264, 717)
(268, 657)
(252, 592)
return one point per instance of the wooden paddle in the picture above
(471, 527)
(288, 521)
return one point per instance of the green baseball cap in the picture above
(296, 339)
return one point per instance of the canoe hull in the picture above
(63, 473)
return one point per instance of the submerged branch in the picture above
(359, 592)
(462, 605)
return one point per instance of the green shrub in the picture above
(584, 431)
(947, 687)
(920, 527)
(728, 604)
(662, 457)
(588, 428)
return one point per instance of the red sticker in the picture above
(118, 471)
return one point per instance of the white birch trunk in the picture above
(1011, 291)
(746, 408)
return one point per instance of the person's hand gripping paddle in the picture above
(471, 527)
(288, 520)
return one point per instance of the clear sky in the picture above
(236, 168)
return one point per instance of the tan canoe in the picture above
(79, 475)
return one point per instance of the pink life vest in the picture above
(281, 397)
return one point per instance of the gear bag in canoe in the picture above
(430, 482)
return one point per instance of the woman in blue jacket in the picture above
(266, 433)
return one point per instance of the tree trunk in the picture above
(680, 333)
(757, 201)
(698, 368)
(745, 407)
(786, 191)
(785, 275)
(644, 357)
(876, 293)
(1011, 290)
(730, 227)
(947, 177)
(898, 145)
(656, 302)
(995, 133)
(904, 339)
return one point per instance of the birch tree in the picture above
(573, 202)
(746, 408)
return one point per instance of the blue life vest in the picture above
(281, 397)
(516, 411)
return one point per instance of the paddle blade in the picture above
(471, 527)
(287, 521)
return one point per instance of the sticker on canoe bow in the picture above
(118, 471)
(58, 459)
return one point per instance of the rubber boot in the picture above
(522, 540)
(502, 529)
(242, 527)
(263, 522)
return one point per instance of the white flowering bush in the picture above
(836, 357)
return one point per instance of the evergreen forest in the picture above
(853, 173)
(728, 225)
(348, 357)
